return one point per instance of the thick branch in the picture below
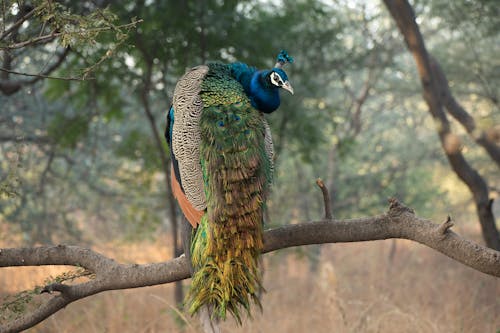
(398, 222)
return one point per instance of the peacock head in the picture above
(277, 75)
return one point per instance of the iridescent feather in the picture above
(222, 166)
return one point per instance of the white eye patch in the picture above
(276, 79)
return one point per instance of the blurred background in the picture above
(83, 159)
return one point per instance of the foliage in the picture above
(81, 27)
(90, 155)
(13, 306)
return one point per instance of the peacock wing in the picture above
(185, 144)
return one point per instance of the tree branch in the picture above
(326, 199)
(399, 222)
(9, 87)
(18, 23)
(461, 115)
(24, 138)
(55, 34)
(45, 73)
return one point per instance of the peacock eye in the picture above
(276, 79)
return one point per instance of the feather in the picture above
(222, 156)
(192, 215)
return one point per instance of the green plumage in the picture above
(236, 172)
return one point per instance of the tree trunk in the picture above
(403, 14)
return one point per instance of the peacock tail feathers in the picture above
(236, 172)
(224, 285)
(222, 165)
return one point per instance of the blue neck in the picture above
(263, 95)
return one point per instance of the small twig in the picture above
(33, 41)
(326, 199)
(397, 207)
(445, 226)
(60, 59)
(43, 76)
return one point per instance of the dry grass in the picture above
(356, 288)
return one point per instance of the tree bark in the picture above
(461, 115)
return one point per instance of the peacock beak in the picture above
(288, 87)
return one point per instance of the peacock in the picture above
(222, 165)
